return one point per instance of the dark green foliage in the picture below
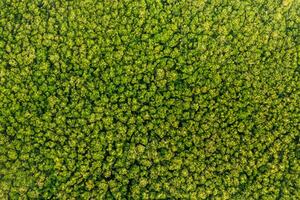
(124, 99)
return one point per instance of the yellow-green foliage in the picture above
(149, 99)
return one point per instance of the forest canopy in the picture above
(150, 99)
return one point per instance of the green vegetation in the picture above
(150, 99)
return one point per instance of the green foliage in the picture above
(149, 99)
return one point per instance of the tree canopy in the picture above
(149, 99)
